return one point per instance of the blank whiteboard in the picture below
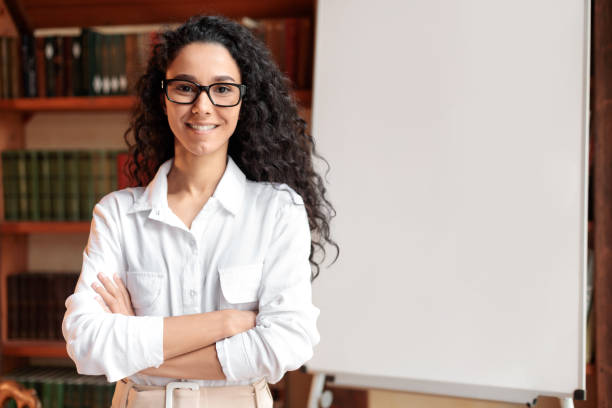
(456, 132)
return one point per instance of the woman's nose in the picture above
(203, 104)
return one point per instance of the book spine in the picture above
(28, 64)
(122, 65)
(72, 185)
(22, 178)
(58, 63)
(104, 48)
(101, 180)
(16, 78)
(32, 158)
(50, 79)
(77, 65)
(131, 55)
(86, 184)
(58, 186)
(68, 89)
(4, 68)
(95, 59)
(45, 186)
(13, 306)
(41, 69)
(10, 185)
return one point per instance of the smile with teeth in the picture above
(201, 127)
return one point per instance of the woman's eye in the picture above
(184, 88)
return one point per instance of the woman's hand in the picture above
(239, 321)
(114, 297)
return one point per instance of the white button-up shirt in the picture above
(247, 249)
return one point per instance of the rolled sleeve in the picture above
(285, 332)
(99, 342)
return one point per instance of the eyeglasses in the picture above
(223, 94)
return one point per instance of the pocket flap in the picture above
(240, 284)
(144, 287)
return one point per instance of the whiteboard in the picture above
(456, 132)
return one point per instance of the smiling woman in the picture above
(203, 272)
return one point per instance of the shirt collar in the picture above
(229, 191)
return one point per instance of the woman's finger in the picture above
(122, 289)
(108, 299)
(108, 284)
(101, 302)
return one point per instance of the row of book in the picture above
(90, 63)
(98, 61)
(58, 185)
(36, 304)
(63, 387)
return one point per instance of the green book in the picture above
(9, 180)
(22, 180)
(101, 178)
(86, 184)
(71, 162)
(112, 170)
(58, 185)
(33, 188)
(44, 183)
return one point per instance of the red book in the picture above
(291, 29)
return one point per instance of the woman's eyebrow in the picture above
(219, 78)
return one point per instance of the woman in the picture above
(205, 274)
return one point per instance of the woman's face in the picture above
(201, 128)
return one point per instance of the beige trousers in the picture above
(130, 395)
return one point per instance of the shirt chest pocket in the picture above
(240, 286)
(146, 292)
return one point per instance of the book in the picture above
(44, 182)
(32, 174)
(28, 65)
(71, 172)
(10, 185)
(86, 184)
(58, 185)
(22, 180)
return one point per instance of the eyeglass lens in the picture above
(220, 94)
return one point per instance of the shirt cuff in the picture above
(145, 344)
(234, 359)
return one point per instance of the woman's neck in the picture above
(195, 176)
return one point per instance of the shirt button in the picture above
(192, 293)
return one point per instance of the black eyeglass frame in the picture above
(206, 88)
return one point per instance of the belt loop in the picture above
(122, 389)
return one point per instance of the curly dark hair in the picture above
(270, 143)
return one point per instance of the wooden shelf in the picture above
(76, 103)
(94, 103)
(44, 227)
(31, 14)
(34, 348)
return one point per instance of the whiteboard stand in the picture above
(317, 397)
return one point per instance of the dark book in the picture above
(28, 66)
(58, 185)
(4, 68)
(86, 184)
(103, 59)
(131, 61)
(71, 162)
(95, 62)
(76, 52)
(101, 175)
(10, 185)
(122, 65)
(58, 66)
(13, 306)
(50, 51)
(113, 50)
(32, 160)
(86, 74)
(22, 180)
(41, 86)
(15, 68)
(44, 184)
(67, 88)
